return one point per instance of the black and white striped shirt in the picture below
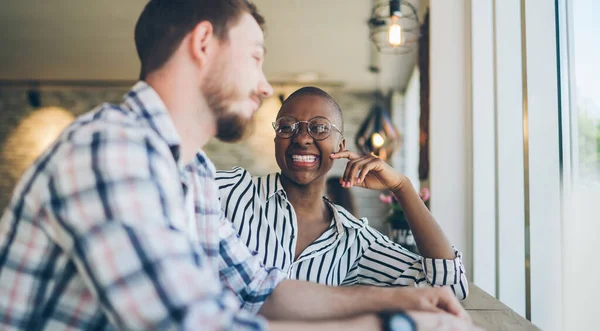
(348, 252)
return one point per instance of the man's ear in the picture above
(342, 145)
(201, 42)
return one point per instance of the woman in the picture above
(285, 218)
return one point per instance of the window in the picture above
(579, 54)
(582, 62)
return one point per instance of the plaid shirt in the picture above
(106, 230)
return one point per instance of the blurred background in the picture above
(74, 54)
(493, 106)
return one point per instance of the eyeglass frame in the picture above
(297, 130)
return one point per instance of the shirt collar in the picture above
(271, 185)
(143, 100)
(344, 218)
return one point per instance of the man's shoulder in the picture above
(108, 132)
(107, 123)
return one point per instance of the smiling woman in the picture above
(286, 219)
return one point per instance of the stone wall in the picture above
(25, 130)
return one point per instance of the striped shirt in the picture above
(107, 230)
(348, 252)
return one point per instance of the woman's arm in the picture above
(373, 173)
(430, 238)
(386, 263)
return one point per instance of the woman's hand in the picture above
(369, 171)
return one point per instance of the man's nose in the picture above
(265, 89)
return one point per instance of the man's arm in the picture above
(358, 323)
(242, 271)
(117, 209)
(298, 300)
(423, 322)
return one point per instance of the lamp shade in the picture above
(394, 26)
(377, 135)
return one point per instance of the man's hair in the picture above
(311, 90)
(164, 23)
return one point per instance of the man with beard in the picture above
(108, 230)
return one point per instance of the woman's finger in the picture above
(346, 154)
(356, 168)
(346, 174)
(346, 177)
(372, 164)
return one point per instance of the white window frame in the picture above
(495, 148)
(517, 202)
(542, 123)
(581, 209)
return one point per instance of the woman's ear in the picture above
(342, 145)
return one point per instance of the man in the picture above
(106, 230)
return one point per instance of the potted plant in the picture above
(398, 227)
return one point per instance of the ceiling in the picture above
(325, 40)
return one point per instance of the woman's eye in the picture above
(286, 128)
(319, 128)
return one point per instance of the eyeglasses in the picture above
(319, 128)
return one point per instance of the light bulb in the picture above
(395, 33)
(377, 140)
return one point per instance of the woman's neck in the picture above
(307, 200)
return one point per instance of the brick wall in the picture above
(20, 136)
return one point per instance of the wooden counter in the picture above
(493, 315)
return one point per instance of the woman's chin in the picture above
(304, 178)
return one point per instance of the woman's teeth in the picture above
(304, 158)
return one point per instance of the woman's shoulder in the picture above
(239, 179)
(235, 172)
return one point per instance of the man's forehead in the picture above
(249, 31)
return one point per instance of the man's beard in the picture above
(231, 125)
